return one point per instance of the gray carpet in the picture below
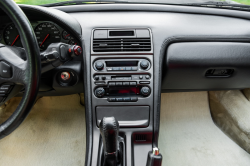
(189, 137)
(52, 135)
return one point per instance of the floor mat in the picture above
(53, 134)
(188, 136)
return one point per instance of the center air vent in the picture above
(122, 45)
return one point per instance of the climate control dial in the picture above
(100, 92)
(145, 91)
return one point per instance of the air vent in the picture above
(140, 137)
(122, 45)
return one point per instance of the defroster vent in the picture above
(122, 45)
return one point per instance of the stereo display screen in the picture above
(121, 63)
(123, 91)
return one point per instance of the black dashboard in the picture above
(186, 48)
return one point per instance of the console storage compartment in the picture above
(128, 116)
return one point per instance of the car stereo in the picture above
(122, 80)
(126, 65)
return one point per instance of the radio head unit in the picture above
(122, 65)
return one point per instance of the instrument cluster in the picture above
(46, 32)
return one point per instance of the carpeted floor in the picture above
(52, 135)
(189, 137)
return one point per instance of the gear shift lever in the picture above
(109, 128)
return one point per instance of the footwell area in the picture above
(189, 137)
(53, 134)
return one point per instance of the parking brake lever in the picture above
(57, 54)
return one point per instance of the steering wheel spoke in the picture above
(13, 66)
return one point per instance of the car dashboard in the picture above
(134, 52)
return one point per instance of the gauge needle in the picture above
(44, 40)
(67, 35)
(15, 40)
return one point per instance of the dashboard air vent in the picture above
(122, 45)
(140, 137)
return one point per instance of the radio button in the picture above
(96, 78)
(122, 68)
(134, 68)
(128, 68)
(108, 77)
(144, 64)
(100, 83)
(134, 99)
(118, 83)
(109, 69)
(126, 99)
(125, 83)
(111, 99)
(140, 77)
(111, 83)
(99, 65)
(147, 77)
(103, 78)
(135, 77)
(116, 68)
(119, 99)
(144, 82)
(132, 83)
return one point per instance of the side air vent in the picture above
(122, 45)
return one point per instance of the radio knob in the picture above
(144, 64)
(145, 91)
(99, 92)
(99, 65)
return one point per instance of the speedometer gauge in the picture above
(47, 33)
(11, 36)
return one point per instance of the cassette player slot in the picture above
(121, 77)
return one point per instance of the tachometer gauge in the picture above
(66, 35)
(47, 33)
(11, 36)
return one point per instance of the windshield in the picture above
(43, 2)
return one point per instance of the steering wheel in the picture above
(21, 72)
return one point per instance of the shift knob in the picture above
(109, 128)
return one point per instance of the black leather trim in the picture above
(109, 128)
(32, 75)
(166, 43)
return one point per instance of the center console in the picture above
(122, 87)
